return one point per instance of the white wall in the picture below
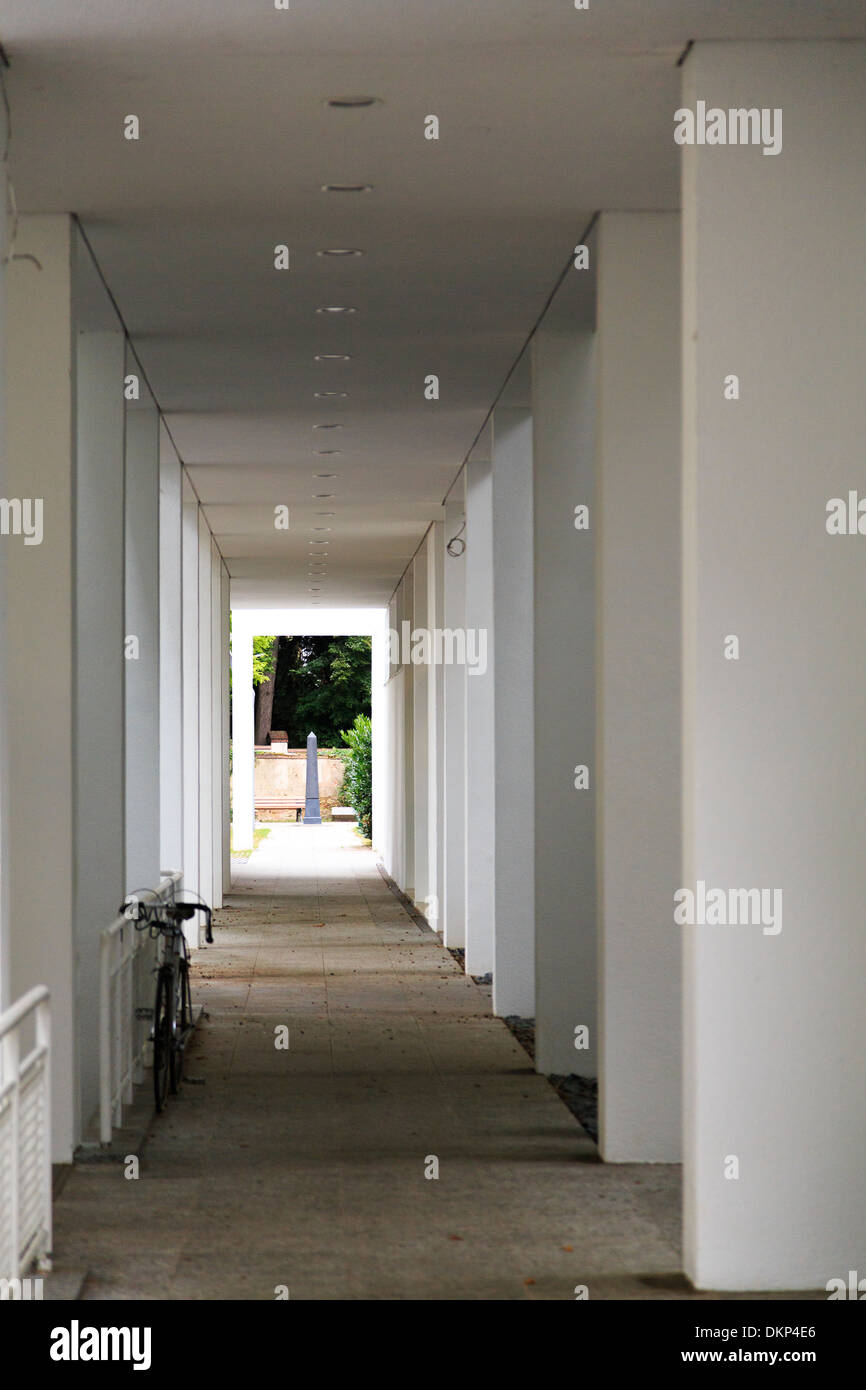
(775, 742)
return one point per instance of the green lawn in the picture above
(258, 835)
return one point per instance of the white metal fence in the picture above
(127, 961)
(25, 1135)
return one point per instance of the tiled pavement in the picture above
(305, 1167)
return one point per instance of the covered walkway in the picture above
(306, 1167)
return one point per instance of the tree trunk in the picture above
(265, 701)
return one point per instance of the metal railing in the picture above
(25, 1135)
(127, 959)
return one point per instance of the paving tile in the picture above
(305, 1167)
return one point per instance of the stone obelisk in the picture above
(312, 813)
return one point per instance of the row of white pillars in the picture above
(97, 613)
(668, 522)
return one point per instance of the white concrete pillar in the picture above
(225, 724)
(38, 684)
(205, 712)
(5, 926)
(420, 678)
(453, 906)
(190, 567)
(141, 650)
(405, 613)
(514, 839)
(170, 657)
(381, 737)
(480, 745)
(99, 721)
(216, 727)
(243, 734)
(393, 833)
(774, 733)
(436, 729)
(563, 422)
(638, 682)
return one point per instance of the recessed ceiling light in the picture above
(326, 475)
(327, 427)
(349, 103)
(336, 309)
(323, 453)
(325, 513)
(347, 188)
(341, 251)
(320, 528)
(323, 496)
(332, 357)
(331, 393)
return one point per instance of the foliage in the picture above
(321, 684)
(358, 776)
(264, 658)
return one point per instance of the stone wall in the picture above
(285, 774)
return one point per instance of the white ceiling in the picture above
(547, 114)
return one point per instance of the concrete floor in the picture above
(305, 1167)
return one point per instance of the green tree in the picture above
(264, 658)
(264, 672)
(321, 684)
(358, 776)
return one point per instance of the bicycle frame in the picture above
(172, 1009)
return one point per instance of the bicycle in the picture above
(172, 1008)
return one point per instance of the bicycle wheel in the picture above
(162, 1040)
(183, 1024)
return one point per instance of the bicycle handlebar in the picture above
(160, 914)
